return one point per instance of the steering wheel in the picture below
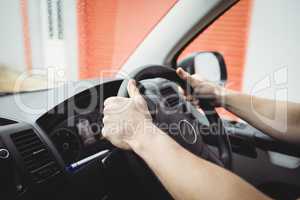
(180, 119)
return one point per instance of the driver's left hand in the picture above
(125, 119)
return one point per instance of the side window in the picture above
(228, 35)
(259, 42)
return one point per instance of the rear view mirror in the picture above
(210, 65)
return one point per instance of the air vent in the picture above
(4, 122)
(171, 96)
(35, 155)
(172, 101)
(167, 91)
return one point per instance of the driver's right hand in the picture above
(203, 88)
(127, 119)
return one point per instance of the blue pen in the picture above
(79, 163)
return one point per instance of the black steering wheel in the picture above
(180, 119)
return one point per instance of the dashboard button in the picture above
(4, 153)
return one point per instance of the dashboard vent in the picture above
(35, 155)
(172, 101)
(167, 91)
(172, 98)
(4, 122)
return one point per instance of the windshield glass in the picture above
(45, 43)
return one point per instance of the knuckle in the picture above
(140, 100)
(105, 109)
(108, 108)
(105, 119)
(104, 132)
(109, 100)
(198, 90)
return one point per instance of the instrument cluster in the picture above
(79, 137)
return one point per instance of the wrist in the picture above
(143, 137)
(221, 96)
(226, 97)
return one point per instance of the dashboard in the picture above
(36, 154)
(76, 124)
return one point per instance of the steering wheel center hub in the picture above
(187, 132)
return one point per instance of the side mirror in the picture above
(210, 65)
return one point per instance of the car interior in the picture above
(51, 145)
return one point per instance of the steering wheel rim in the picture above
(158, 71)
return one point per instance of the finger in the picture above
(108, 130)
(189, 97)
(112, 107)
(186, 76)
(181, 73)
(108, 107)
(104, 132)
(133, 90)
(110, 100)
(106, 119)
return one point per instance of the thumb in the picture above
(132, 89)
(187, 77)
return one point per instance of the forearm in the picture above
(186, 176)
(279, 119)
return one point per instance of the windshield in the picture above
(45, 43)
